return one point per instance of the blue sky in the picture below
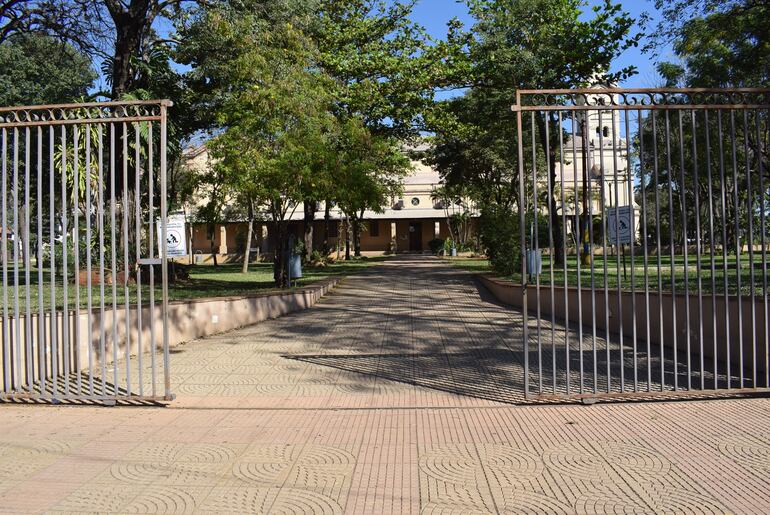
(434, 15)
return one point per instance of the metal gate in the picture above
(643, 217)
(83, 200)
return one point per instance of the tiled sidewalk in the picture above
(396, 394)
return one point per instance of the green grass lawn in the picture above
(615, 275)
(206, 281)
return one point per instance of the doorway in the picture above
(415, 237)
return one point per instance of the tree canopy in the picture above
(38, 69)
(720, 43)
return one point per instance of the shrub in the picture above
(435, 245)
(499, 231)
(318, 259)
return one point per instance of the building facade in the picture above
(407, 224)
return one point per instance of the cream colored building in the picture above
(407, 224)
(609, 179)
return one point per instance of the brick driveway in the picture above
(395, 394)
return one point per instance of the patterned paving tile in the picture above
(397, 393)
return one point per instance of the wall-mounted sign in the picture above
(176, 240)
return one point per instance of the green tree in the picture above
(273, 111)
(386, 65)
(370, 172)
(37, 69)
(718, 44)
(523, 44)
(721, 43)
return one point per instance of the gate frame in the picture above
(101, 114)
(642, 100)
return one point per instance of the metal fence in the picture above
(643, 217)
(83, 199)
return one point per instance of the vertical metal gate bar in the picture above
(41, 349)
(138, 229)
(738, 257)
(76, 244)
(671, 245)
(126, 291)
(100, 229)
(16, 309)
(89, 300)
(685, 243)
(602, 212)
(164, 250)
(723, 219)
(763, 229)
(535, 245)
(7, 379)
(698, 247)
(618, 245)
(656, 185)
(150, 245)
(750, 217)
(567, 317)
(28, 358)
(587, 186)
(551, 247)
(65, 234)
(645, 249)
(522, 238)
(113, 262)
(578, 256)
(54, 320)
(712, 245)
(630, 200)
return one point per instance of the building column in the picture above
(263, 243)
(436, 229)
(222, 239)
(393, 238)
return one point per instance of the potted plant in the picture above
(450, 249)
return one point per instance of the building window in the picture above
(333, 229)
(374, 228)
(415, 201)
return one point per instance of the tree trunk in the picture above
(347, 239)
(327, 216)
(356, 237)
(309, 208)
(281, 252)
(556, 232)
(190, 240)
(249, 236)
(131, 24)
(212, 231)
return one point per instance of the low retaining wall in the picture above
(724, 308)
(187, 320)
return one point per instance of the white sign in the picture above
(620, 228)
(176, 242)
